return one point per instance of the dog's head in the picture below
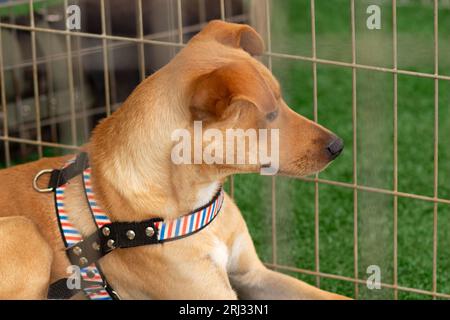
(230, 90)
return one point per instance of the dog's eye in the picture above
(272, 116)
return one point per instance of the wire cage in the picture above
(56, 84)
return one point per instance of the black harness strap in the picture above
(114, 235)
(59, 290)
(97, 245)
(59, 177)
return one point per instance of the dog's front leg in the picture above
(252, 280)
(25, 260)
(266, 284)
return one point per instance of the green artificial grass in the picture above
(22, 9)
(291, 33)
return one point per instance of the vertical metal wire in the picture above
(3, 100)
(316, 184)
(113, 92)
(37, 103)
(180, 21)
(82, 89)
(105, 59)
(395, 174)
(355, 150)
(73, 123)
(202, 11)
(274, 181)
(222, 10)
(269, 35)
(223, 17)
(436, 143)
(51, 90)
(17, 85)
(4, 105)
(141, 52)
(171, 26)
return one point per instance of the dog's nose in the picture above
(335, 148)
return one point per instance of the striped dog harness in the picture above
(85, 252)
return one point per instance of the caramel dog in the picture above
(214, 79)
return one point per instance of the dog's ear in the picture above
(213, 92)
(235, 35)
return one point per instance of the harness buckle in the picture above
(36, 178)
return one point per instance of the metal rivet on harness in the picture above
(83, 261)
(90, 273)
(106, 231)
(149, 231)
(110, 243)
(131, 235)
(77, 250)
(96, 246)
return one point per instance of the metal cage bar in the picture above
(37, 103)
(377, 190)
(180, 21)
(4, 106)
(395, 165)
(267, 53)
(222, 10)
(356, 280)
(273, 179)
(355, 150)
(316, 184)
(140, 34)
(436, 144)
(105, 58)
(73, 123)
(223, 17)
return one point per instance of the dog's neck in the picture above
(132, 172)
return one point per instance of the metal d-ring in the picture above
(36, 178)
